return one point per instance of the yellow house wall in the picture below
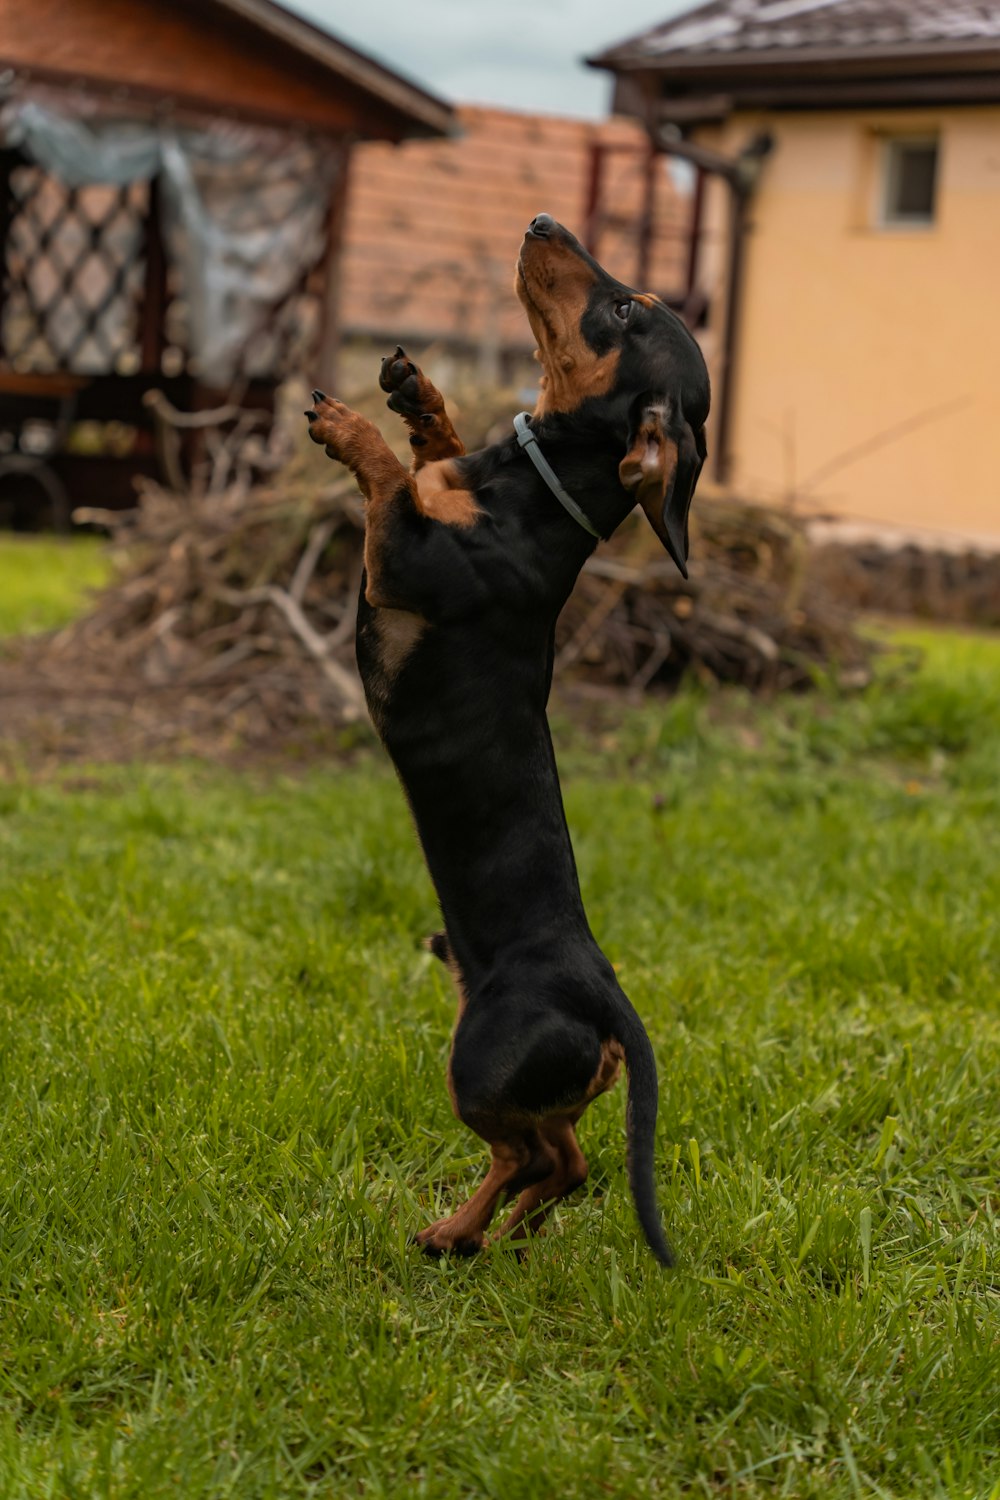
(868, 377)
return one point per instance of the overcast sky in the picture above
(521, 53)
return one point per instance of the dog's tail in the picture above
(643, 1100)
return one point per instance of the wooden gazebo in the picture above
(172, 184)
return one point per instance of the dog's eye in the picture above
(622, 310)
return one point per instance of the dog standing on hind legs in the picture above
(468, 560)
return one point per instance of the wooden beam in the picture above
(327, 352)
(185, 54)
(152, 334)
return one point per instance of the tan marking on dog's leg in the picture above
(441, 439)
(352, 440)
(464, 1231)
(420, 404)
(463, 1000)
(441, 496)
(432, 436)
(398, 633)
(537, 1202)
(559, 1131)
(610, 1066)
(355, 441)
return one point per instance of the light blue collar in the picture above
(529, 443)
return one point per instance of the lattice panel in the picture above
(252, 198)
(288, 341)
(73, 275)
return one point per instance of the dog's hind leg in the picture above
(559, 1132)
(536, 1202)
(518, 1160)
(505, 1076)
(420, 404)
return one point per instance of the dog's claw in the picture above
(318, 396)
(311, 416)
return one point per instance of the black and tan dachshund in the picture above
(468, 560)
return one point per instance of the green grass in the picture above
(224, 1116)
(45, 580)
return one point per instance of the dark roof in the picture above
(807, 54)
(322, 47)
(727, 30)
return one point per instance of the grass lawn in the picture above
(224, 1116)
(45, 580)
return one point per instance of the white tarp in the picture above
(244, 208)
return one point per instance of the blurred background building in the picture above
(206, 199)
(172, 188)
(433, 228)
(847, 160)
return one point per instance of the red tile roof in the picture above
(433, 227)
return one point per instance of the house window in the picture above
(909, 180)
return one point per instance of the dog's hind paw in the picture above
(443, 1238)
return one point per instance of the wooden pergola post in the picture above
(152, 334)
(328, 344)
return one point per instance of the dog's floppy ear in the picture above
(661, 470)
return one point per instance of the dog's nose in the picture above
(542, 226)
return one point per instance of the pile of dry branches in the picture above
(747, 614)
(960, 585)
(230, 622)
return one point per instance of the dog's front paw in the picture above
(420, 404)
(330, 423)
(405, 384)
(447, 1238)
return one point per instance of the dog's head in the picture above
(599, 339)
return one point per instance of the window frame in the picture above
(887, 186)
